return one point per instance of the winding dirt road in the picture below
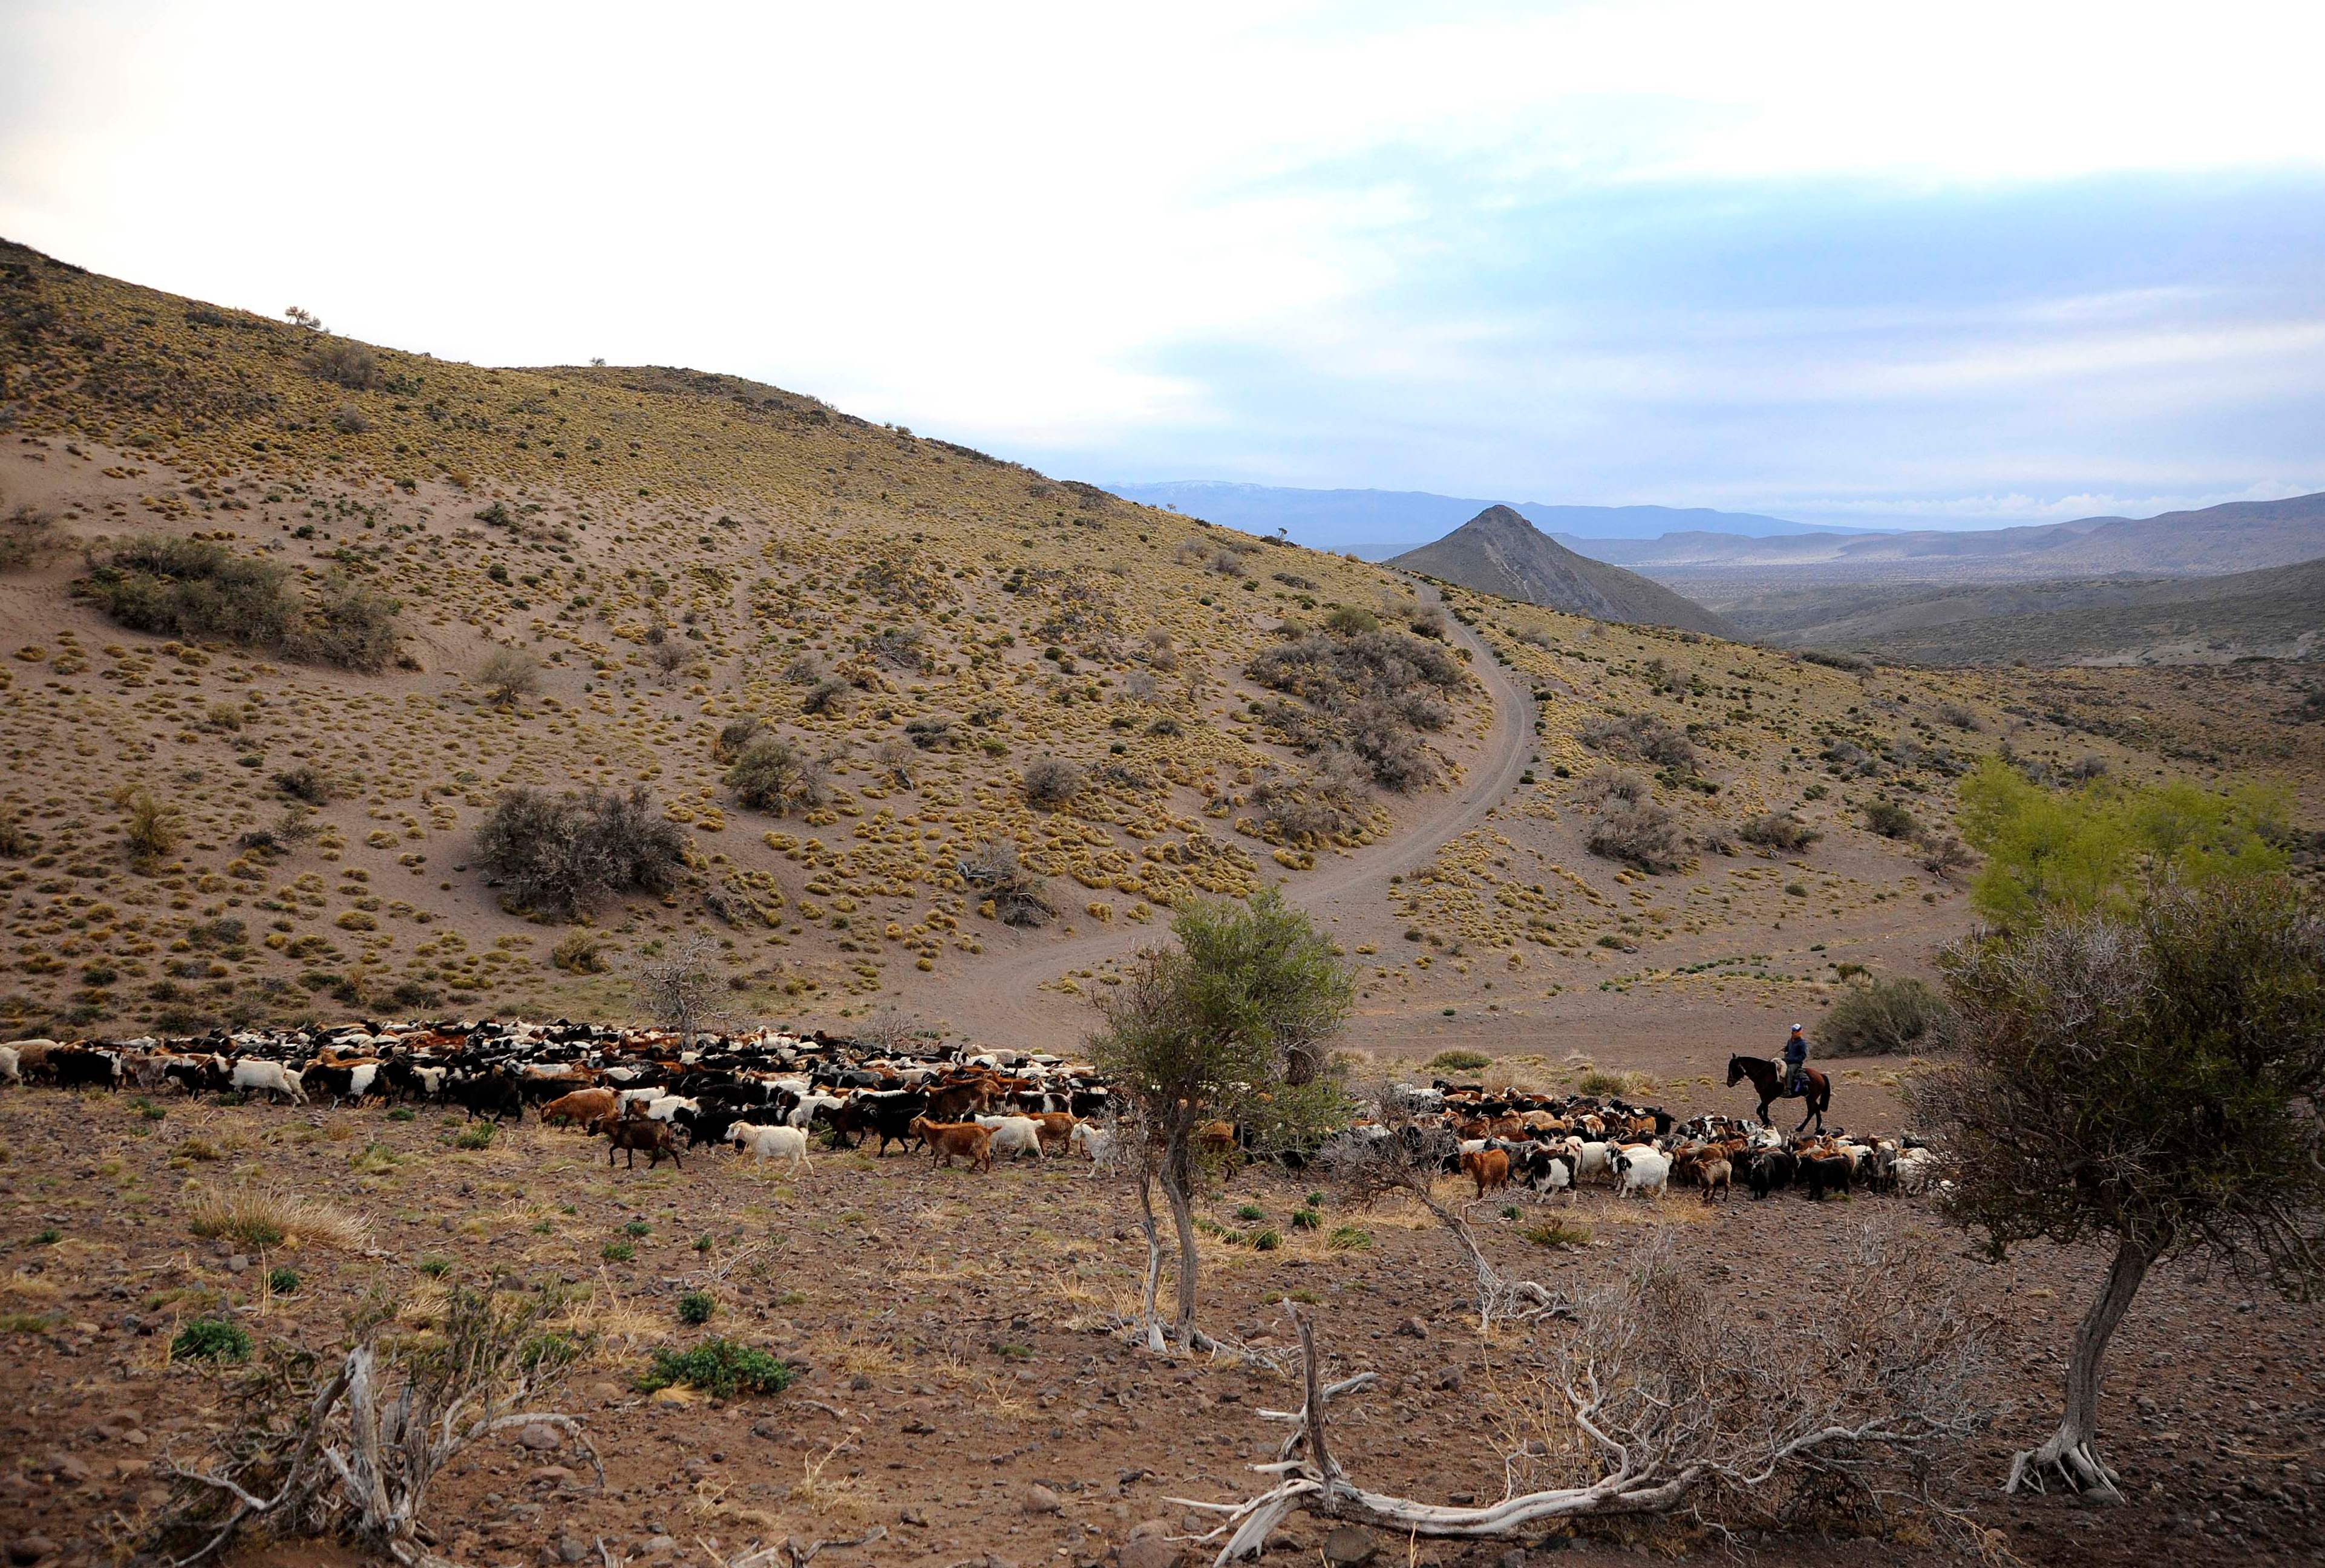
(1004, 1004)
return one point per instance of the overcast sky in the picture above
(1968, 261)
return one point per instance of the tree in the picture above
(1209, 1032)
(679, 989)
(2092, 848)
(2151, 1080)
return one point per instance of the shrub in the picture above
(1052, 781)
(1602, 784)
(824, 695)
(305, 782)
(737, 734)
(579, 953)
(476, 1135)
(1849, 662)
(1557, 1233)
(1371, 693)
(283, 1281)
(720, 1367)
(1641, 736)
(210, 1340)
(695, 1307)
(151, 830)
(1019, 894)
(771, 775)
(1778, 832)
(1306, 1220)
(1348, 620)
(1459, 1062)
(558, 853)
(1891, 821)
(1943, 857)
(195, 589)
(507, 675)
(1645, 836)
(26, 537)
(1349, 1239)
(1884, 1019)
(349, 420)
(618, 1251)
(349, 364)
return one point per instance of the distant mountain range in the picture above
(2239, 537)
(1379, 524)
(1498, 552)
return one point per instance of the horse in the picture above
(1768, 1079)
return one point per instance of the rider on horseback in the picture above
(1796, 1056)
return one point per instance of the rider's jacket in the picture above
(1796, 1050)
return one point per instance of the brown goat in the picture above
(581, 1108)
(633, 1133)
(964, 1139)
(1715, 1175)
(1490, 1168)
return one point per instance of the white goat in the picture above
(271, 1077)
(1640, 1168)
(769, 1143)
(1013, 1134)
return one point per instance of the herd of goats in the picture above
(769, 1092)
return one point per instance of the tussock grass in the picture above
(257, 1218)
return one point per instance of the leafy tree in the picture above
(1226, 1027)
(2150, 1079)
(2089, 849)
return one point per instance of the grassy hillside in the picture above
(285, 617)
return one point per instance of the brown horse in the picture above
(1768, 1079)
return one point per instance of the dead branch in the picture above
(1654, 1405)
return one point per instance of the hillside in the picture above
(1377, 523)
(629, 577)
(2277, 612)
(1498, 552)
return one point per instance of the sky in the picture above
(1959, 264)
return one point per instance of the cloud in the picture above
(1682, 251)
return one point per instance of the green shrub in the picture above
(1266, 1240)
(476, 1135)
(618, 1252)
(1348, 620)
(1556, 1233)
(283, 1281)
(195, 589)
(1306, 1220)
(772, 775)
(1778, 832)
(695, 1307)
(1349, 1239)
(720, 1367)
(210, 1340)
(435, 1268)
(1248, 1213)
(1884, 1018)
(1891, 821)
(1460, 1060)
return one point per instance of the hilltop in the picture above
(475, 580)
(1498, 552)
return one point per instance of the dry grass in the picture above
(264, 1218)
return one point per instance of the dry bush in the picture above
(349, 420)
(152, 829)
(344, 364)
(996, 872)
(1945, 856)
(305, 782)
(195, 589)
(772, 775)
(736, 734)
(507, 675)
(559, 853)
(826, 695)
(1602, 784)
(1370, 693)
(28, 537)
(1645, 835)
(1778, 832)
(1051, 783)
(269, 1219)
(1640, 736)
(580, 952)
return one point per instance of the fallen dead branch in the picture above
(1656, 1405)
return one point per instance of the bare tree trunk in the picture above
(1150, 1324)
(2071, 1452)
(1182, 1218)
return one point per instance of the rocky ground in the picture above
(962, 1390)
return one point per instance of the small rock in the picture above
(67, 1469)
(540, 1434)
(31, 1548)
(1448, 1381)
(913, 1516)
(1349, 1547)
(1514, 1557)
(573, 1549)
(237, 1263)
(551, 1474)
(656, 1544)
(1154, 1551)
(1041, 1499)
(1413, 1329)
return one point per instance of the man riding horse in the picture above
(1795, 1080)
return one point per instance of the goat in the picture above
(633, 1133)
(579, 1109)
(770, 1142)
(10, 1071)
(272, 1077)
(1639, 1168)
(1715, 1175)
(1490, 1168)
(949, 1140)
(1013, 1134)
